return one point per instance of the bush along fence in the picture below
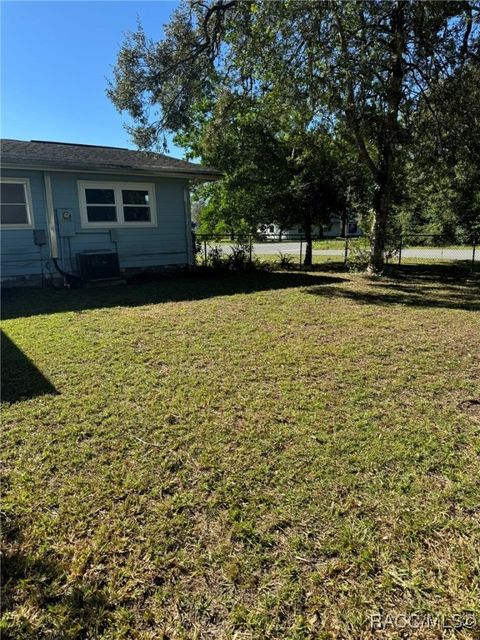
(286, 250)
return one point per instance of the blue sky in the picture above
(55, 61)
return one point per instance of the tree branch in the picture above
(350, 110)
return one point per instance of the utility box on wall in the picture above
(66, 226)
(39, 237)
(98, 265)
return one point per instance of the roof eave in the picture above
(202, 174)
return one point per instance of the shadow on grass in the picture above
(37, 580)
(417, 286)
(20, 377)
(457, 271)
(18, 303)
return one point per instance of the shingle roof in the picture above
(83, 156)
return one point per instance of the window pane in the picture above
(14, 214)
(134, 196)
(11, 192)
(136, 214)
(102, 214)
(100, 196)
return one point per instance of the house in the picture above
(333, 230)
(73, 212)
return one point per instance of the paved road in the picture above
(434, 253)
(269, 248)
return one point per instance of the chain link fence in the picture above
(411, 249)
(422, 248)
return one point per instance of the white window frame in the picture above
(117, 188)
(28, 203)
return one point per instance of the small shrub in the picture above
(358, 254)
(216, 259)
(285, 261)
(238, 259)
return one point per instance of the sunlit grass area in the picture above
(329, 243)
(254, 455)
(294, 258)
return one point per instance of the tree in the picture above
(275, 169)
(442, 175)
(361, 65)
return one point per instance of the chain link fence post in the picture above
(345, 259)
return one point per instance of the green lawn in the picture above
(255, 456)
(273, 258)
(329, 243)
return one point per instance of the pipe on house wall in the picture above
(52, 230)
(70, 279)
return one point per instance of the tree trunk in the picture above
(307, 228)
(389, 140)
(379, 229)
(383, 172)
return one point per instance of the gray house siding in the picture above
(166, 243)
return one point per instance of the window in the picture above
(136, 206)
(101, 205)
(15, 203)
(115, 204)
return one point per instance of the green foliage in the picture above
(285, 261)
(222, 210)
(262, 89)
(441, 191)
(216, 258)
(237, 258)
(467, 200)
(275, 171)
(359, 253)
(441, 201)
